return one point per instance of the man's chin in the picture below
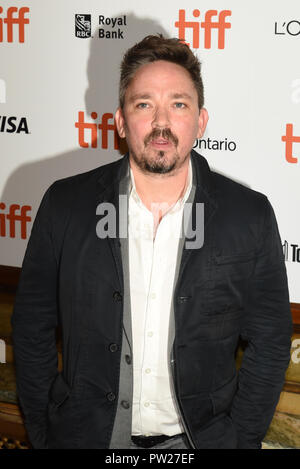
(159, 169)
(160, 164)
(159, 161)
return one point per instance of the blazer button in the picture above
(113, 347)
(117, 296)
(110, 396)
(128, 359)
(125, 404)
(183, 299)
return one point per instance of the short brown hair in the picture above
(153, 48)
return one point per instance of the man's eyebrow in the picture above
(139, 96)
(181, 95)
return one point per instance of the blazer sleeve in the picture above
(34, 322)
(267, 328)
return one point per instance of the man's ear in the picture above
(202, 122)
(120, 122)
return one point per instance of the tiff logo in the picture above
(11, 20)
(289, 138)
(93, 127)
(2, 91)
(208, 24)
(11, 217)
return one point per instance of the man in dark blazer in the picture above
(174, 384)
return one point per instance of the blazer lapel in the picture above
(109, 183)
(114, 185)
(202, 192)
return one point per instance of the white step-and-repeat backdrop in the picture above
(59, 72)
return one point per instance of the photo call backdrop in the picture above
(59, 73)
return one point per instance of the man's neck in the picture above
(165, 189)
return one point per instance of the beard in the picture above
(156, 161)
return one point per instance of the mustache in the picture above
(166, 134)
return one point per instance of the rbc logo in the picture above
(10, 20)
(83, 26)
(208, 24)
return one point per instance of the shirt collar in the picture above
(180, 202)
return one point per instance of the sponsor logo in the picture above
(296, 91)
(291, 252)
(114, 33)
(209, 144)
(83, 26)
(291, 27)
(109, 27)
(11, 217)
(14, 17)
(219, 24)
(13, 124)
(2, 91)
(88, 131)
(289, 138)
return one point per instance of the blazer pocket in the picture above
(59, 391)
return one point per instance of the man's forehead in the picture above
(161, 79)
(160, 68)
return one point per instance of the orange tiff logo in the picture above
(104, 126)
(11, 20)
(12, 217)
(208, 24)
(289, 138)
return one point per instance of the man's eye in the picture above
(179, 105)
(142, 105)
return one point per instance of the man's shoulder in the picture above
(82, 183)
(227, 185)
(237, 198)
(87, 176)
(227, 191)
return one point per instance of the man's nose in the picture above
(161, 117)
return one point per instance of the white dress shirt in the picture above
(152, 262)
